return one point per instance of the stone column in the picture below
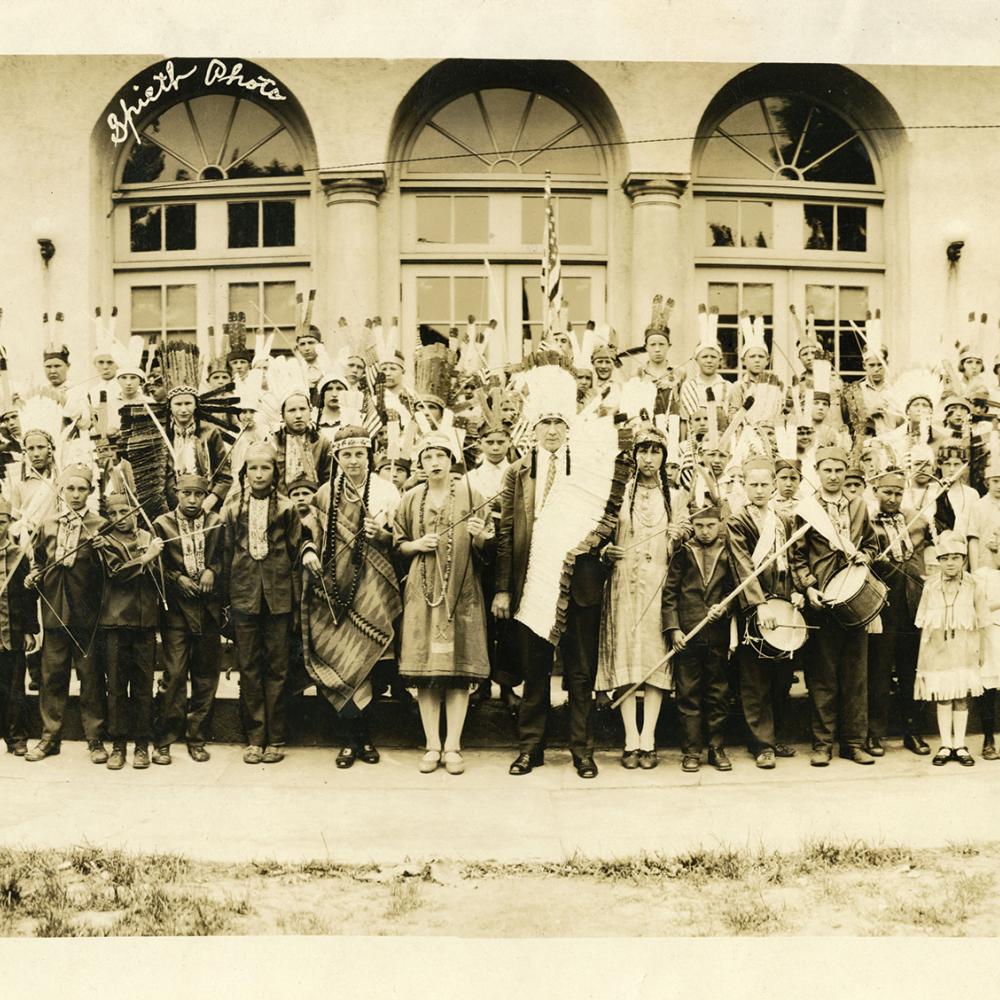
(348, 279)
(659, 254)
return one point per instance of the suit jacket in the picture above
(742, 536)
(252, 582)
(687, 596)
(73, 593)
(517, 521)
(813, 560)
(192, 614)
(131, 598)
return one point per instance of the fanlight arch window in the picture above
(787, 138)
(213, 137)
(505, 131)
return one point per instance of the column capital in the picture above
(343, 186)
(664, 186)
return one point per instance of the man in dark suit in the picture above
(527, 484)
(840, 533)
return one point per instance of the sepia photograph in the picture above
(458, 494)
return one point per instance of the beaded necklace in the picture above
(446, 516)
(343, 605)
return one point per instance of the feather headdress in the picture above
(660, 317)
(708, 330)
(638, 399)
(106, 343)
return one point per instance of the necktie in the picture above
(550, 478)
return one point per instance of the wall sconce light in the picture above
(954, 251)
(47, 249)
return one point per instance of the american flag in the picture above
(551, 268)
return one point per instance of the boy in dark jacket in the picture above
(191, 623)
(698, 577)
(18, 634)
(128, 632)
(71, 557)
(264, 539)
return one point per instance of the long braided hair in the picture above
(661, 478)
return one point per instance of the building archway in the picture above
(471, 144)
(205, 171)
(797, 175)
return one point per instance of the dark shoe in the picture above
(585, 766)
(873, 746)
(916, 744)
(820, 757)
(98, 752)
(690, 763)
(784, 750)
(525, 763)
(273, 755)
(399, 693)
(718, 759)
(253, 755)
(43, 749)
(942, 757)
(367, 754)
(481, 694)
(140, 757)
(198, 753)
(648, 759)
(962, 755)
(630, 759)
(765, 759)
(18, 748)
(989, 750)
(856, 755)
(346, 758)
(161, 755)
(117, 759)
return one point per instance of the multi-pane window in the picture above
(835, 227)
(504, 131)
(840, 313)
(731, 298)
(575, 290)
(449, 219)
(573, 219)
(261, 224)
(267, 305)
(786, 138)
(164, 310)
(446, 301)
(736, 222)
(162, 227)
(210, 138)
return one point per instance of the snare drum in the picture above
(855, 596)
(781, 642)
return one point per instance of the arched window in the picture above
(789, 203)
(471, 190)
(211, 208)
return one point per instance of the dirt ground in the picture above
(823, 889)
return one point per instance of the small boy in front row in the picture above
(191, 623)
(128, 623)
(18, 634)
(698, 577)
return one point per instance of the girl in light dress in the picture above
(439, 527)
(631, 640)
(953, 615)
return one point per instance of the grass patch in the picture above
(961, 899)
(404, 898)
(745, 911)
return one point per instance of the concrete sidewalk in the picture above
(305, 809)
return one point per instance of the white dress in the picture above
(990, 675)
